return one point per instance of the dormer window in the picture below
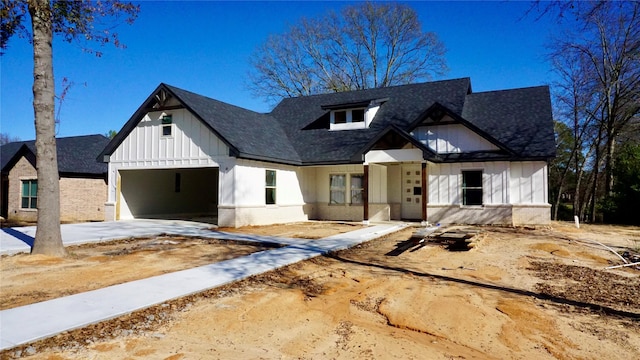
(357, 115)
(351, 116)
(348, 116)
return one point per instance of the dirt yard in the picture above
(520, 294)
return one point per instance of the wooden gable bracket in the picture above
(162, 98)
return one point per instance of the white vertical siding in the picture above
(452, 138)
(191, 143)
(445, 182)
(528, 182)
(394, 184)
(377, 184)
(226, 184)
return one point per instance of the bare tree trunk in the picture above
(609, 165)
(48, 239)
(563, 177)
(596, 173)
(585, 199)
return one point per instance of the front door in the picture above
(411, 192)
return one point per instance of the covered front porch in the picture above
(373, 191)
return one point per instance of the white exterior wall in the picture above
(514, 193)
(191, 145)
(451, 138)
(529, 182)
(445, 182)
(245, 203)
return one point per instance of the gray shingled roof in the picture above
(403, 105)
(253, 135)
(76, 154)
(296, 131)
(519, 118)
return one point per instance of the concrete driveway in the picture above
(20, 239)
(32, 322)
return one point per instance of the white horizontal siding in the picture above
(191, 143)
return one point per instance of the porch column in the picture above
(424, 191)
(365, 195)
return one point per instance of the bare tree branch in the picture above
(364, 46)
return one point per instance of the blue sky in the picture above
(204, 47)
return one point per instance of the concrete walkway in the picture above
(29, 323)
(20, 239)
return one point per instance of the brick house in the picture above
(83, 181)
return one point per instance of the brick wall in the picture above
(22, 170)
(81, 199)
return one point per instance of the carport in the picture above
(180, 193)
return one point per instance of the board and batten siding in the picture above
(503, 182)
(191, 143)
(451, 138)
(528, 181)
(445, 182)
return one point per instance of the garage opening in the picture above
(188, 194)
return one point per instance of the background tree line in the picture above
(596, 175)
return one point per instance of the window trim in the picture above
(352, 189)
(349, 123)
(166, 122)
(343, 189)
(347, 190)
(270, 187)
(464, 188)
(29, 197)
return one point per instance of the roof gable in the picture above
(248, 134)
(76, 154)
(394, 138)
(438, 114)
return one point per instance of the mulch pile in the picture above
(587, 285)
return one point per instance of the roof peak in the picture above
(434, 82)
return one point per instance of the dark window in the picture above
(472, 187)
(270, 187)
(178, 182)
(357, 115)
(339, 117)
(167, 120)
(29, 198)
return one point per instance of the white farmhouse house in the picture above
(432, 151)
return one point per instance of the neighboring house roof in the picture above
(76, 154)
(296, 132)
